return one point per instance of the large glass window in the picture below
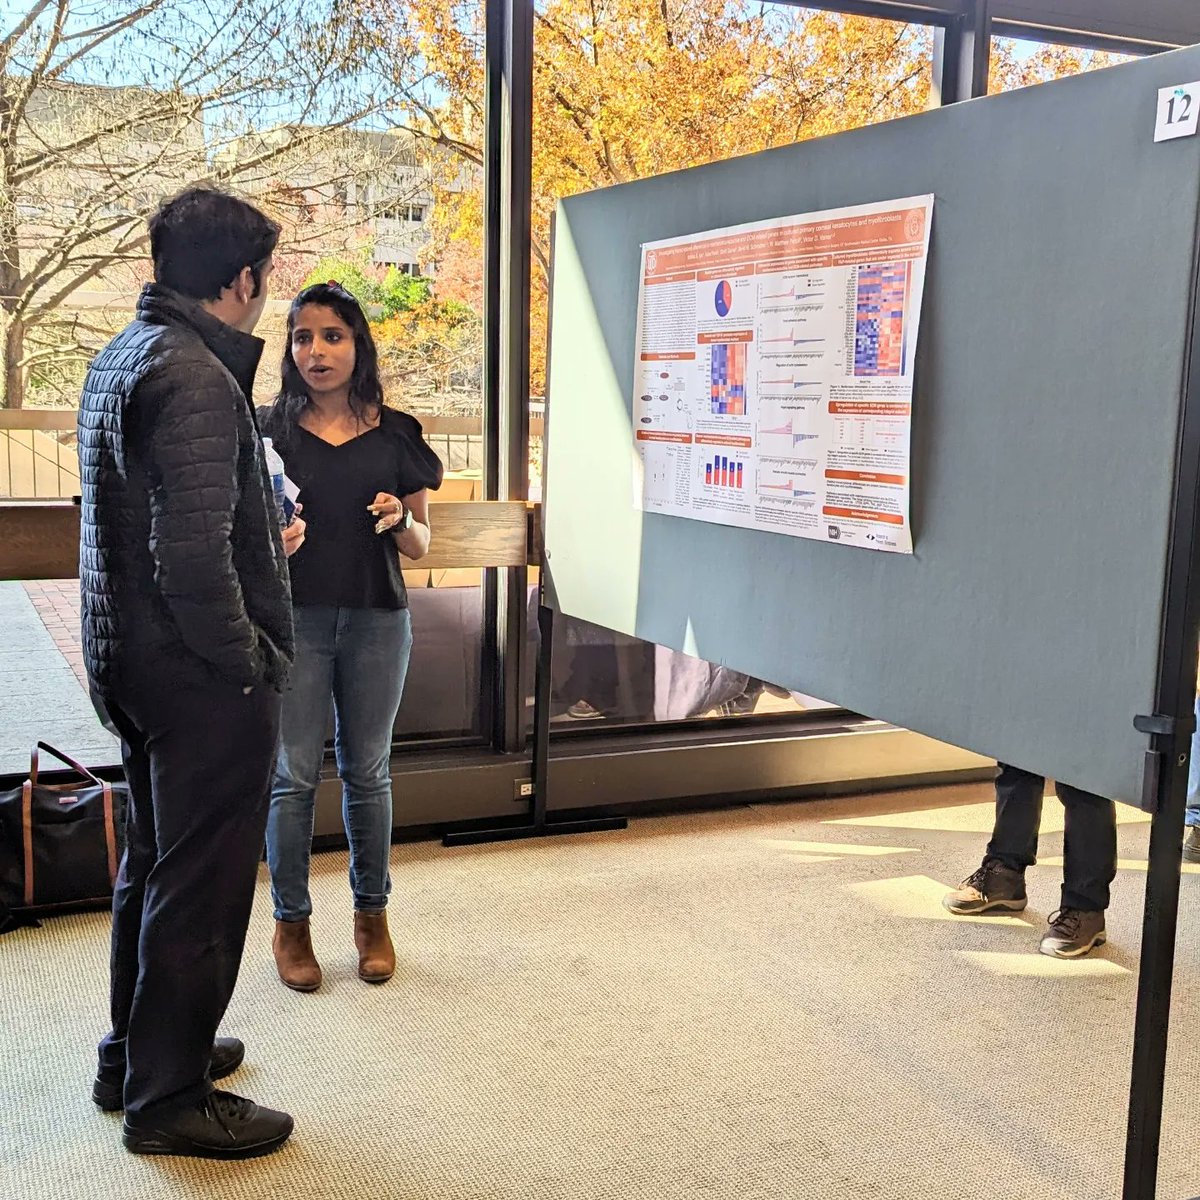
(360, 128)
(744, 77)
(404, 235)
(330, 117)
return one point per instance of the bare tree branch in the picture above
(52, 302)
(251, 94)
(100, 34)
(16, 110)
(12, 40)
(67, 153)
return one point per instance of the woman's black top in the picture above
(344, 563)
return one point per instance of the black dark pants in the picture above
(198, 762)
(1089, 844)
(593, 677)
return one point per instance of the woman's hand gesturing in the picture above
(389, 509)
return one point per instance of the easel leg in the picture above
(542, 700)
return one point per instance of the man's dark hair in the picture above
(202, 239)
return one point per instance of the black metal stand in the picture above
(1154, 993)
(540, 825)
(1164, 791)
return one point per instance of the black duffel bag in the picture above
(60, 844)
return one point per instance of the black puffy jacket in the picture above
(181, 566)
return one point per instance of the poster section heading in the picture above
(773, 381)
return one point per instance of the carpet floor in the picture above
(762, 1003)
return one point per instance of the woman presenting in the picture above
(364, 471)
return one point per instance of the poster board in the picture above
(1026, 624)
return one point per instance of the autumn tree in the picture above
(108, 105)
(1017, 64)
(382, 292)
(431, 357)
(629, 88)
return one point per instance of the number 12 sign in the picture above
(1178, 112)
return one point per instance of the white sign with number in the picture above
(1178, 112)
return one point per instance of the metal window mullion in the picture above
(962, 54)
(887, 10)
(1079, 38)
(495, 32)
(512, 407)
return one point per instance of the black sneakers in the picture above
(222, 1125)
(1073, 933)
(993, 888)
(227, 1055)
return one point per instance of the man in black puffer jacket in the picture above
(187, 636)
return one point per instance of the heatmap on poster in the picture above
(774, 373)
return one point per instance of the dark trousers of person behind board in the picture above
(593, 677)
(1089, 844)
(198, 763)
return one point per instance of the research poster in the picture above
(774, 373)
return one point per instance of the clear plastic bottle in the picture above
(275, 469)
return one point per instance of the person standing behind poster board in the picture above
(1191, 844)
(1089, 862)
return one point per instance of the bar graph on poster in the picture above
(774, 373)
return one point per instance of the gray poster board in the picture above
(1026, 626)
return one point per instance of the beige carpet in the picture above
(757, 1004)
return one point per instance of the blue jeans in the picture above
(1193, 800)
(353, 661)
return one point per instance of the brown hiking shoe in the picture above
(1191, 845)
(376, 955)
(1073, 933)
(993, 888)
(294, 957)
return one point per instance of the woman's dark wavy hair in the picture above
(366, 392)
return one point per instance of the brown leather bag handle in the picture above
(27, 837)
(110, 835)
(78, 768)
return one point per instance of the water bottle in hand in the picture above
(276, 470)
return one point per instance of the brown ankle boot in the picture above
(376, 956)
(294, 958)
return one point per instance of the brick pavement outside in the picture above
(43, 687)
(57, 604)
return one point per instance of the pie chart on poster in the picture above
(724, 298)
